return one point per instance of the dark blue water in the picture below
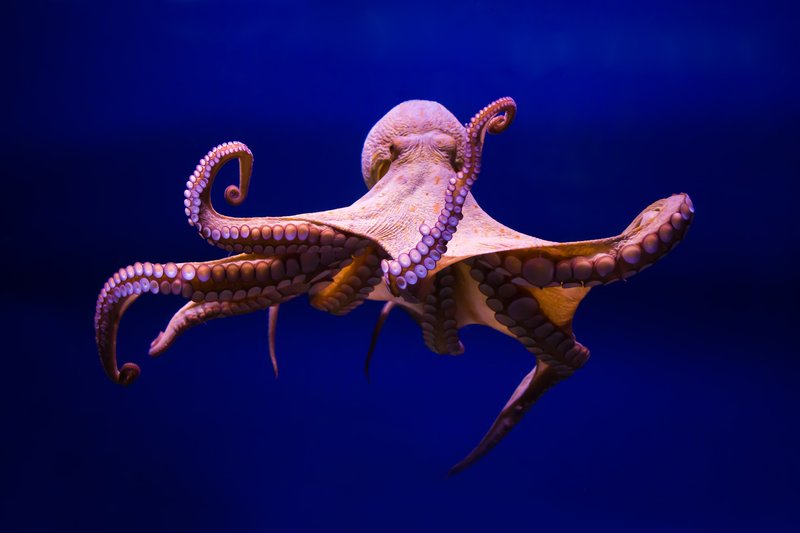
(686, 417)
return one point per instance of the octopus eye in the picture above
(400, 144)
(394, 150)
(381, 161)
(447, 145)
(379, 169)
(444, 142)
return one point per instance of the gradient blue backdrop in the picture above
(686, 417)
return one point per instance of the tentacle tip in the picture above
(157, 347)
(457, 469)
(464, 463)
(128, 374)
(688, 201)
(233, 195)
(497, 125)
(158, 338)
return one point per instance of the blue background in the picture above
(685, 418)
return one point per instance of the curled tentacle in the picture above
(497, 116)
(405, 271)
(198, 204)
(261, 235)
(119, 292)
(225, 287)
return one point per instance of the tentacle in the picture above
(387, 308)
(273, 326)
(194, 313)
(351, 285)
(656, 231)
(199, 209)
(526, 394)
(439, 326)
(261, 235)
(191, 314)
(409, 267)
(540, 319)
(534, 294)
(229, 286)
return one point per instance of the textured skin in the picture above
(416, 240)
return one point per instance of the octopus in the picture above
(417, 240)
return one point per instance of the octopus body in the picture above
(417, 240)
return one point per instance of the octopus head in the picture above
(413, 132)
